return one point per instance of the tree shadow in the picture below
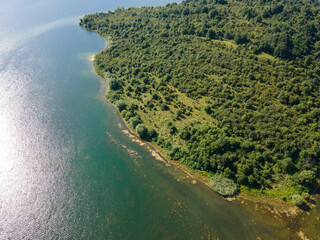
(311, 201)
(305, 207)
(317, 191)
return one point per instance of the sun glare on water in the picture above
(7, 143)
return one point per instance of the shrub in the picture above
(305, 195)
(155, 96)
(121, 105)
(307, 177)
(184, 134)
(134, 121)
(114, 85)
(128, 115)
(152, 133)
(164, 107)
(142, 130)
(297, 200)
(223, 186)
(207, 109)
(241, 38)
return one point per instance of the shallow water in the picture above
(67, 171)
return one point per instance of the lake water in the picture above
(67, 171)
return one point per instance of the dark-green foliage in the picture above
(114, 84)
(253, 64)
(142, 130)
(152, 134)
(121, 105)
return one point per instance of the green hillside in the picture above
(224, 87)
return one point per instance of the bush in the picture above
(241, 38)
(297, 200)
(223, 186)
(114, 85)
(142, 130)
(307, 177)
(134, 121)
(131, 107)
(121, 105)
(155, 96)
(305, 195)
(127, 114)
(207, 109)
(152, 133)
(184, 134)
(164, 107)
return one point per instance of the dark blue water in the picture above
(67, 170)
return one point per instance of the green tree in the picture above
(114, 85)
(142, 131)
(211, 34)
(307, 177)
(134, 121)
(121, 105)
(297, 200)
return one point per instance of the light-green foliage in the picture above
(285, 192)
(305, 195)
(223, 186)
(134, 121)
(297, 200)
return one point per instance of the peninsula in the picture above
(229, 88)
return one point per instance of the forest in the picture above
(229, 88)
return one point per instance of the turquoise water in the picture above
(67, 170)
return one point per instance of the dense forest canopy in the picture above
(226, 87)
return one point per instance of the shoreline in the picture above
(277, 210)
(157, 152)
(160, 155)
